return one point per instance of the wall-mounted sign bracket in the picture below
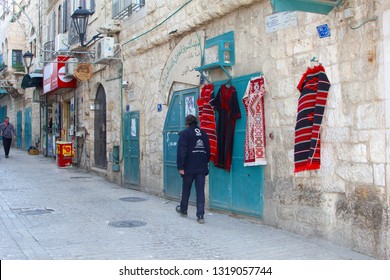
(218, 53)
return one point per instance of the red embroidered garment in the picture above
(207, 117)
(254, 149)
(226, 104)
(314, 86)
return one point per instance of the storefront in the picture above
(59, 123)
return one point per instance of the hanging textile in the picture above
(207, 117)
(226, 104)
(254, 149)
(314, 87)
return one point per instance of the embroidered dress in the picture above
(226, 104)
(207, 117)
(314, 87)
(254, 149)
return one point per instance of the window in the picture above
(124, 8)
(65, 16)
(17, 59)
(85, 4)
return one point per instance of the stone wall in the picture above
(346, 201)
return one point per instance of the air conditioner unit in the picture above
(69, 67)
(105, 50)
(61, 43)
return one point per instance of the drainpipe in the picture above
(122, 118)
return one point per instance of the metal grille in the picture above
(36, 212)
(122, 224)
(124, 8)
(132, 199)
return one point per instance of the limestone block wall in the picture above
(346, 201)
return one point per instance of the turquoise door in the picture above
(3, 114)
(19, 125)
(27, 129)
(182, 103)
(131, 150)
(241, 189)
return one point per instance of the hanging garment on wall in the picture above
(254, 149)
(314, 87)
(207, 117)
(226, 104)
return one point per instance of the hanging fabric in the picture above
(227, 106)
(207, 117)
(314, 86)
(254, 149)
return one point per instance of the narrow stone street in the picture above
(49, 213)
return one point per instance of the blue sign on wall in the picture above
(323, 31)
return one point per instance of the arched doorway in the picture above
(100, 129)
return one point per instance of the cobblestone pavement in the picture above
(48, 213)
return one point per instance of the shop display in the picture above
(227, 106)
(207, 117)
(254, 149)
(314, 86)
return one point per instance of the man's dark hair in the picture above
(191, 120)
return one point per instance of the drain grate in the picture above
(122, 224)
(36, 212)
(132, 199)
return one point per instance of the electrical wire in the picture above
(166, 19)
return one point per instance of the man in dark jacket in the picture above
(193, 155)
(7, 130)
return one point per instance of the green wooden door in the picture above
(3, 114)
(27, 129)
(241, 189)
(131, 150)
(19, 125)
(182, 103)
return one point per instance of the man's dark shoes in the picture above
(201, 220)
(182, 213)
(6, 156)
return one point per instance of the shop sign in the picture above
(83, 71)
(54, 77)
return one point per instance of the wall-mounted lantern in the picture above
(27, 60)
(80, 20)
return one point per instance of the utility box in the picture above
(64, 154)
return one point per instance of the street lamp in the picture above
(80, 20)
(27, 59)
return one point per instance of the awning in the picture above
(311, 6)
(32, 80)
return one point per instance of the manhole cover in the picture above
(121, 224)
(132, 199)
(36, 212)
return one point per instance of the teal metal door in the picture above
(182, 103)
(241, 189)
(27, 129)
(19, 125)
(131, 150)
(3, 114)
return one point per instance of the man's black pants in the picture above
(186, 191)
(7, 144)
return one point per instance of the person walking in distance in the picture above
(7, 131)
(193, 156)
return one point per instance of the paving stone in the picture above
(80, 206)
